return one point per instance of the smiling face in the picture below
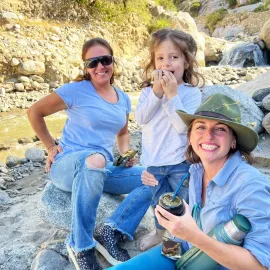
(211, 141)
(167, 57)
(100, 75)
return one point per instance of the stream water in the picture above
(15, 125)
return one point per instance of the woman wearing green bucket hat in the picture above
(222, 184)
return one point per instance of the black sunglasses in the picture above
(105, 60)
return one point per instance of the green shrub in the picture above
(119, 11)
(194, 9)
(212, 19)
(167, 4)
(158, 23)
(232, 3)
(264, 7)
(251, 2)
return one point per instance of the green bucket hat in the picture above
(225, 110)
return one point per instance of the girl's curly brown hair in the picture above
(183, 42)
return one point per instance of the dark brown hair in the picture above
(192, 157)
(183, 42)
(86, 46)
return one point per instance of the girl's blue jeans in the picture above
(168, 178)
(71, 174)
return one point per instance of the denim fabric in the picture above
(169, 178)
(70, 173)
(152, 259)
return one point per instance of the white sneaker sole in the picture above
(106, 254)
(72, 257)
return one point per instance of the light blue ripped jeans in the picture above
(71, 174)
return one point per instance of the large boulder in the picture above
(251, 115)
(214, 48)
(55, 207)
(264, 34)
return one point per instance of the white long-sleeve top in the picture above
(164, 134)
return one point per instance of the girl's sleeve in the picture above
(147, 106)
(189, 104)
(253, 202)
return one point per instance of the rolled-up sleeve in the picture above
(253, 202)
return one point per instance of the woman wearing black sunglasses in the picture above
(82, 162)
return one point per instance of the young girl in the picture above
(164, 141)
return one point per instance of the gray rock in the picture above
(14, 62)
(260, 94)
(4, 198)
(49, 259)
(12, 161)
(18, 256)
(19, 86)
(262, 152)
(261, 82)
(23, 79)
(31, 67)
(8, 16)
(266, 123)
(55, 207)
(3, 169)
(266, 102)
(251, 115)
(35, 154)
(37, 79)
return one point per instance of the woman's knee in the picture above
(95, 161)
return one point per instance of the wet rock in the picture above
(12, 161)
(251, 115)
(35, 154)
(49, 259)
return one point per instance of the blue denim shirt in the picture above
(237, 189)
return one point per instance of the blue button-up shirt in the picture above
(238, 188)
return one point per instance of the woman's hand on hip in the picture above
(183, 227)
(148, 179)
(52, 152)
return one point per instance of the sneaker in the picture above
(84, 260)
(108, 241)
